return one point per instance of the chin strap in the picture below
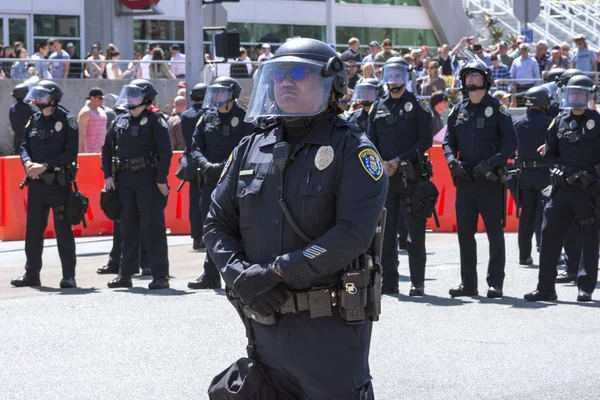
(397, 89)
(474, 88)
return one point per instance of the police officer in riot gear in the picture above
(298, 202)
(573, 154)
(400, 126)
(136, 157)
(365, 94)
(48, 152)
(189, 120)
(217, 133)
(19, 114)
(534, 175)
(481, 130)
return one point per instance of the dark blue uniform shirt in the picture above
(18, 115)
(399, 127)
(143, 136)
(360, 118)
(532, 129)
(189, 119)
(574, 141)
(217, 134)
(335, 189)
(480, 132)
(52, 140)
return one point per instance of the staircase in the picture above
(557, 22)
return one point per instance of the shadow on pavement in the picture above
(517, 302)
(159, 292)
(102, 253)
(66, 292)
(432, 300)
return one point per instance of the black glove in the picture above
(270, 301)
(255, 281)
(482, 169)
(557, 177)
(581, 179)
(212, 171)
(569, 171)
(457, 170)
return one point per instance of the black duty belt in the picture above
(55, 175)
(316, 301)
(532, 164)
(132, 164)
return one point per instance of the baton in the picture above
(180, 186)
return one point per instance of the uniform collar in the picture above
(319, 134)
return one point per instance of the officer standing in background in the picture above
(573, 154)
(48, 152)
(365, 94)
(189, 120)
(481, 130)
(19, 114)
(534, 174)
(217, 133)
(400, 126)
(138, 171)
(297, 203)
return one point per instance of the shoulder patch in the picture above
(162, 121)
(425, 105)
(504, 110)
(371, 163)
(226, 167)
(73, 123)
(552, 124)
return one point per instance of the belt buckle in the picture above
(289, 306)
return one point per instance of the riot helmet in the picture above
(198, 92)
(563, 79)
(537, 96)
(43, 93)
(476, 67)
(137, 93)
(20, 91)
(554, 74)
(552, 89)
(221, 92)
(302, 79)
(578, 94)
(366, 92)
(395, 74)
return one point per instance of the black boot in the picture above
(538, 295)
(146, 271)
(584, 296)
(203, 283)
(68, 283)
(107, 269)
(417, 291)
(565, 277)
(494, 293)
(121, 281)
(461, 291)
(159, 283)
(526, 261)
(26, 280)
(198, 244)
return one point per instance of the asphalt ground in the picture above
(98, 343)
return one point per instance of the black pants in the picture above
(474, 198)
(531, 183)
(292, 352)
(142, 207)
(196, 220)
(210, 270)
(568, 205)
(41, 197)
(415, 241)
(114, 258)
(402, 225)
(572, 246)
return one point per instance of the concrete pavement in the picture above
(98, 343)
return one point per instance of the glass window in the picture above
(414, 3)
(309, 31)
(17, 31)
(56, 25)
(146, 29)
(400, 37)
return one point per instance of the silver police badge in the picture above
(489, 111)
(58, 126)
(324, 157)
(144, 121)
(590, 124)
(408, 107)
(234, 122)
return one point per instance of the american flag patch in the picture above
(313, 251)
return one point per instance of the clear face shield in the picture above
(289, 87)
(395, 75)
(576, 98)
(131, 97)
(217, 96)
(552, 89)
(364, 94)
(38, 95)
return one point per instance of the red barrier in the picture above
(13, 202)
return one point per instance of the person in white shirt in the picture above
(145, 64)
(266, 53)
(178, 67)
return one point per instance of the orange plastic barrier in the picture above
(13, 202)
